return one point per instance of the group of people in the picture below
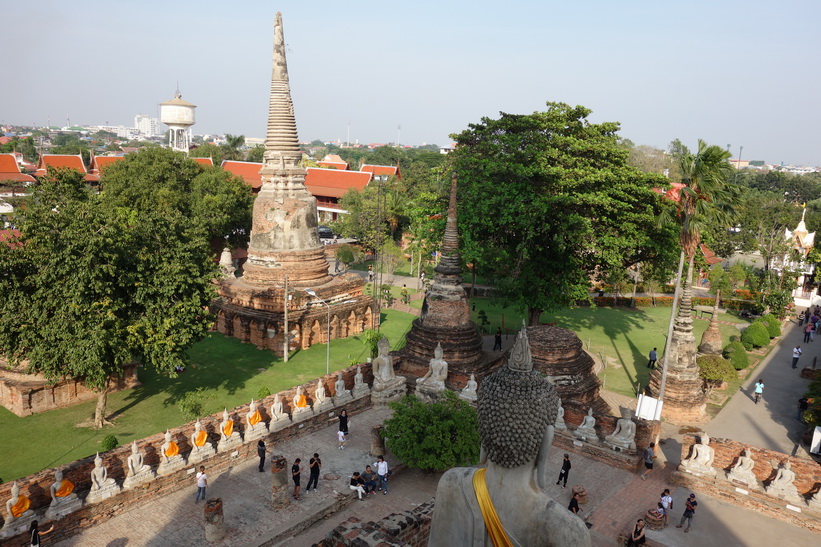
(811, 319)
(665, 505)
(370, 481)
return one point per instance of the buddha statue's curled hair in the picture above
(514, 409)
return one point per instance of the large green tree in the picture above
(548, 198)
(89, 287)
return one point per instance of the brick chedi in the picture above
(285, 253)
(445, 319)
(711, 342)
(683, 391)
(558, 354)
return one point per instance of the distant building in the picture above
(147, 126)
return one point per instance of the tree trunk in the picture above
(533, 315)
(99, 410)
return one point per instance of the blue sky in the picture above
(729, 72)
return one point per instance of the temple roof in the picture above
(71, 161)
(248, 170)
(382, 170)
(10, 170)
(101, 162)
(208, 162)
(333, 161)
(335, 183)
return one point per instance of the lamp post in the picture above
(311, 292)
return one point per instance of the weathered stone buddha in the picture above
(301, 409)
(341, 394)
(138, 472)
(63, 498)
(170, 458)
(255, 427)
(624, 436)
(782, 485)
(387, 386)
(430, 386)
(517, 407)
(279, 418)
(742, 471)
(229, 439)
(587, 429)
(17, 505)
(102, 486)
(560, 425)
(700, 461)
(322, 402)
(360, 388)
(468, 393)
(200, 447)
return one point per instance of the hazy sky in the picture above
(744, 73)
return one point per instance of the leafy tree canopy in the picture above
(549, 197)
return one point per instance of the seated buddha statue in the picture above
(17, 504)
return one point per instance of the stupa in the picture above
(285, 255)
(445, 319)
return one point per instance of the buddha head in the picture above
(167, 436)
(384, 346)
(58, 475)
(197, 426)
(98, 461)
(134, 448)
(15, 492)
(437, 353)
(225, 415)
(253, 407)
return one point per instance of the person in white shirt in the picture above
(382, 472)
(341, 436)
(666, 504)
(202, 482)
(796, 353)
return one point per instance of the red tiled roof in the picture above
(204, 161)
(333, 182)
(101, 162)
(71, 161)
(381, 170)
(6, 235)
(10, 170)
(333, 161)
(709, 256)
(5, 140)
(248, 170)
(673, 193)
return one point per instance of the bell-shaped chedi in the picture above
(684, 397)
(285, 256)
(445, 318)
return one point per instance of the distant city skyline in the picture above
(733, 72)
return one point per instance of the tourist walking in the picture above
(404, 293)
(759, 390)
(295, 472)
(35, 533)
(796, 353)
(340, 435)
(574, 504)
(370, 273)
(202, 483)
(314, 465)
(666, 504)
(689, 512)
(343, 422)
(803, 406)
(637, 537)
(801, 318)
(649, 456)
(383, 473)
(563, 474)
(356, 484)
(807, 332)
(497, 340)
(653, 358)
(261, 453)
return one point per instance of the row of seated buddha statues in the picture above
(623, 437)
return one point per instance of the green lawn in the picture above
(230, 372)
(623, 335)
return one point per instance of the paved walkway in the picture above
(771, 423)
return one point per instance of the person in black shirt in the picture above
(261, 453)
(295, 476)
(356, 484)
(574, 504)
(565, 470)
(689, 511)
(313, 465)
(35, 533)
(497, 340)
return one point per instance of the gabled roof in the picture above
(71, 161)
(709, 256)
(333, 182)
(204, 161)
(673, 193)
(333, 161)
(10, 170)
(101, 162)
(248, 170)
(381, 170)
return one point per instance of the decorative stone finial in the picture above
(520, 358)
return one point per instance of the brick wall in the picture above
(36, 487)
(410, 528)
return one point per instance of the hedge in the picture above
(737, 355)
(773, 325)
(755, 336)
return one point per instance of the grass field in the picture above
(230, 372)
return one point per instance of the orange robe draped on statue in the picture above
(301, 401)
(65, 489)
(172, 450)
(254, 418)
(228, 429)
(202, 436)
(20, 507)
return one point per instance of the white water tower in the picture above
(178, 115)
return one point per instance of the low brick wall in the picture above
(409, 528)
(36, 487)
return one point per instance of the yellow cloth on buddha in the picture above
(254, 418)
(228, 429)
(172, 449)
(202, 436)
(20, 507)
(301, 401)
(492, 523)
(65, 489)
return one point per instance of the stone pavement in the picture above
(771, 423)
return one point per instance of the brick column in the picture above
(377, 442)
(279, 483)
(214, 521)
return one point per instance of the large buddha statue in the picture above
(587, 429)
(742, 471)
(510, 486)
(386, 385)
(432, 384)
(624, 436)
(700, 461)
(102, 486)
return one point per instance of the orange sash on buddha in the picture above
(202, 436)
(20, 507)
(65, 489)
(254, 418)
(301, 402)
(228, 429)
(172, 450)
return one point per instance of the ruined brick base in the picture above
(406, 529)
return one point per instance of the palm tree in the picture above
(231, 148)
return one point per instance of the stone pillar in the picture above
(377, 442)
(214, 521)
(279, 483)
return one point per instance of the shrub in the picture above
(714, 370)
(737, 355)
(434, 436)
(371, 340)
(773, 325)
(756, 335)
(192, 404)
(263, 392)
(109, 442)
